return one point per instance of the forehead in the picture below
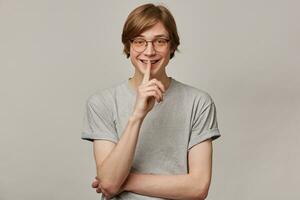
(158, 30)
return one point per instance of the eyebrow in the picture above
(156, 36)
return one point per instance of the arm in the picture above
(113, 161)
(113, 170)
(194, 185)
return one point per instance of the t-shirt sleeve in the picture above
(204, 125)
(98, 121)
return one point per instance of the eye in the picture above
(161, 41)
(139, 41)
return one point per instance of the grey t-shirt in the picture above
(186, 117)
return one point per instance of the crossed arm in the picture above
(193, 186)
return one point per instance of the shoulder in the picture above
(104, 96)
(198, 95)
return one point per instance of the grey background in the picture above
(55, 53)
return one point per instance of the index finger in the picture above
(147, 73)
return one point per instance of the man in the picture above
(152, 135)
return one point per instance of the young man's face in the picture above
(160, 56)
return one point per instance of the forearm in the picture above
(165, 186)
(116, 167)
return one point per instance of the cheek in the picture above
(133, 54)
(134, 60)
(167, 56)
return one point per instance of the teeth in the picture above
(152, 61)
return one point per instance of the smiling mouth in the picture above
(152, 61)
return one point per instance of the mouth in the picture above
(152, 61)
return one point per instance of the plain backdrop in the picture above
(55, 53)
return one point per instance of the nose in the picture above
(149, 51)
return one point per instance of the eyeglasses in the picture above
(140, 44)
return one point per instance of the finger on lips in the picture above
(160, 89)
(147, 73)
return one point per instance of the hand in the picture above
(97, 186)
(147, 93)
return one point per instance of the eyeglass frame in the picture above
(147, 41)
